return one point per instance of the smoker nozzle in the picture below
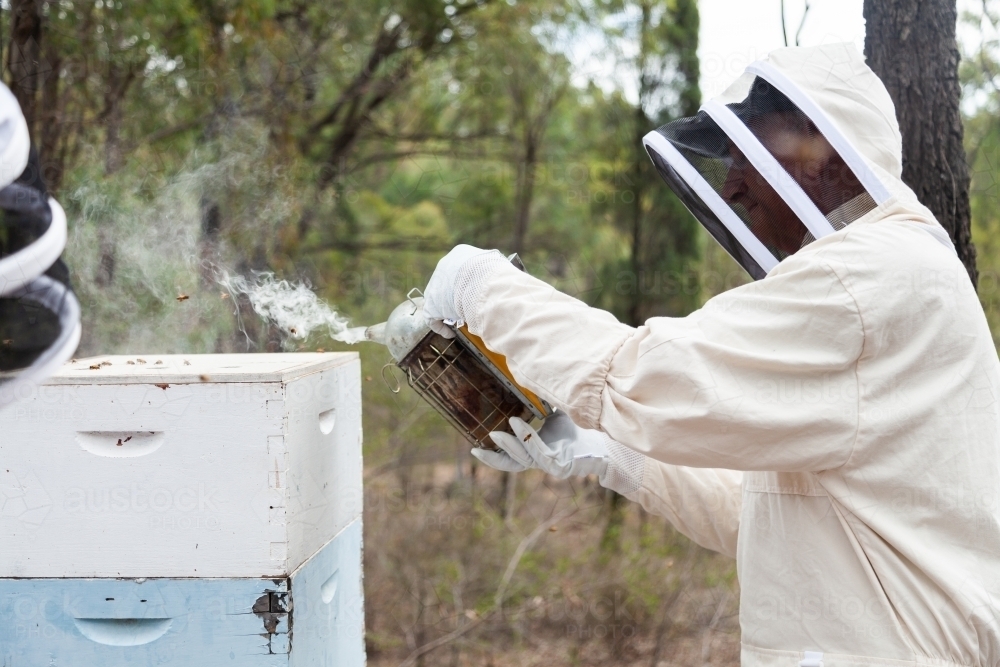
(376, 333)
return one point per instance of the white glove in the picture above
(563, 449)
(439, 297)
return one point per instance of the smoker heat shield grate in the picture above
(450, 377)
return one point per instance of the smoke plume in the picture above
(292, 307)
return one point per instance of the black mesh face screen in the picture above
(748, 194)
(802, 150)
(781, 139)
(706, 217)
(27, 329)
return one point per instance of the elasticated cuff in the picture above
(625, 470)
(470, 282)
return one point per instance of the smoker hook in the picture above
(394, 379)
(409, 297)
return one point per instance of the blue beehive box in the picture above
(312, 618)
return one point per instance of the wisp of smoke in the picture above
(292, 307)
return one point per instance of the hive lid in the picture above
(197, 368)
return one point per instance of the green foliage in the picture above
(980, 75)
(654, 46)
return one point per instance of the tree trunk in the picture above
(24, 55)
(635, 309)
(51, 123)
(611, 538)
(525, 192)
(119, 80)
(911, 45)
(532, 111)
(113, 155)
(211, 225)
(509, 499)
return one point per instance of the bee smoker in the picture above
(470, 385)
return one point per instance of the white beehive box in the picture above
(182, 466)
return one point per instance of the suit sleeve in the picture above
(703, 504)
(763, 377)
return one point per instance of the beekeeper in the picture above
(833, 425)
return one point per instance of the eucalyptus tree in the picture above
(911, 45)
(653, 47)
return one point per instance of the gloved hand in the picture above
(563, 449)
(439, 297)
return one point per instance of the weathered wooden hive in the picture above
(184, 510)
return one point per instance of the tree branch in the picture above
(385, 45)
(397, 155)
(784, 30)
(404, 243)
(802, 23)
(433, 136)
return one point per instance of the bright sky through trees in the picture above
(733, 34)
(737, 32)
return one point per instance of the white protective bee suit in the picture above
(855, 386)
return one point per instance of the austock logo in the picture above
(138, 499)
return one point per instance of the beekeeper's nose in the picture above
(735, 190)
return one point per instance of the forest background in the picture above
(347, 145)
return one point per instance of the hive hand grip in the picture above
(120, 444)
(329, 588)
(123, 631)
(327, 419)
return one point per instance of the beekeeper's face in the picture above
(808, 158)
(771, 220)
